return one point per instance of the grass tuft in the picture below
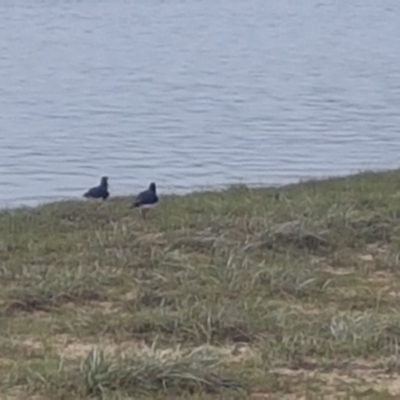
(187, 372)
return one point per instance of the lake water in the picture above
(193, 93)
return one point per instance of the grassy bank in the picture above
(258, 294)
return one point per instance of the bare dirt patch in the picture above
(72, 348)
(18, 393)
(339, 271)
(359, 376)
(380, 277)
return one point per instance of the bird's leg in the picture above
(144, 212)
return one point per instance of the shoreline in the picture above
(18, 205)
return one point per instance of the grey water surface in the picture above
(193, 93)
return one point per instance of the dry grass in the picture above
(239, 294)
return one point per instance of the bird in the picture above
(99, 192)
(146, 199)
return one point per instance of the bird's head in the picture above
(152, 187)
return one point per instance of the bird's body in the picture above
(146, 199)
(99, 192)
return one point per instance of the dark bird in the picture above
(146, 199)
(99, 192)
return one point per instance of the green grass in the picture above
(239, 294)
